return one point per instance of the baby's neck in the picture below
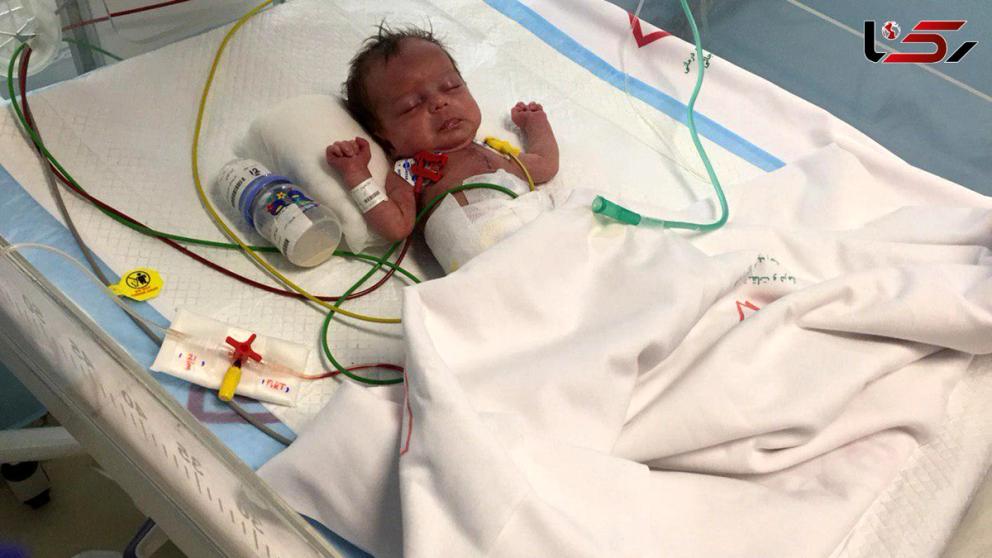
(462, 147)
(456, 150)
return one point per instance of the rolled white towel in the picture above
(290, 139)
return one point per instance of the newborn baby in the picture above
(406, 90)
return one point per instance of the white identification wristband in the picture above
(368, 194)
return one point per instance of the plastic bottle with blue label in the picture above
(306, 233)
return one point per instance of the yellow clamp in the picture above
(502, 146)
(230, 383)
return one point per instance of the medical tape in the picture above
(368, 194)
(198, 362)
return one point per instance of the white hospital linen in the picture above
(587, 388)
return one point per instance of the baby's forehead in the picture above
(416, 62)
(412, 51)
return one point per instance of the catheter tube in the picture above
(608, 208)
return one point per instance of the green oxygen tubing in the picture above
(617, 212)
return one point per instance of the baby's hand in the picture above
(349, 157)
(525, 115)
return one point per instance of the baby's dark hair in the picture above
(380, 47)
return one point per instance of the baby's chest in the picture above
(461, 168)
(474, 160)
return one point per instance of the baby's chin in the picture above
(451, 141)
(457, 139)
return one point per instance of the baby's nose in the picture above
(438, 103)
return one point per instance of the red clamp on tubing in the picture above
(427, 166)
(243, 350)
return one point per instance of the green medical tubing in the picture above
(84, 44)
(103, 281)
(327, 320)
(374, 260)
(378, 263)
(148, 231)
(616, 211)
(48, 155)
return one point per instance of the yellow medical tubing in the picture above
(530, 181)
(213, 213)
(510, 150)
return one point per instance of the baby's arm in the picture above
(541, 156)
(392, 219)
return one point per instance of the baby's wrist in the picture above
(354, 177)
(536, 123)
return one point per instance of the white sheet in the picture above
(586, 388)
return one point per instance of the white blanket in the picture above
(587, 388)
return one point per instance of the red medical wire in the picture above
(29, 119)
(122, 13)
(25, 107)
(354, 368)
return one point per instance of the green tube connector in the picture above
(614, 211)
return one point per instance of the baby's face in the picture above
(421, 102)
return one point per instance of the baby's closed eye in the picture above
(408, 105)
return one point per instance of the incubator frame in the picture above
(130, 424)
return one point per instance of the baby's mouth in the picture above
(450, 123)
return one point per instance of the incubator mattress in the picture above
(124, 132)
